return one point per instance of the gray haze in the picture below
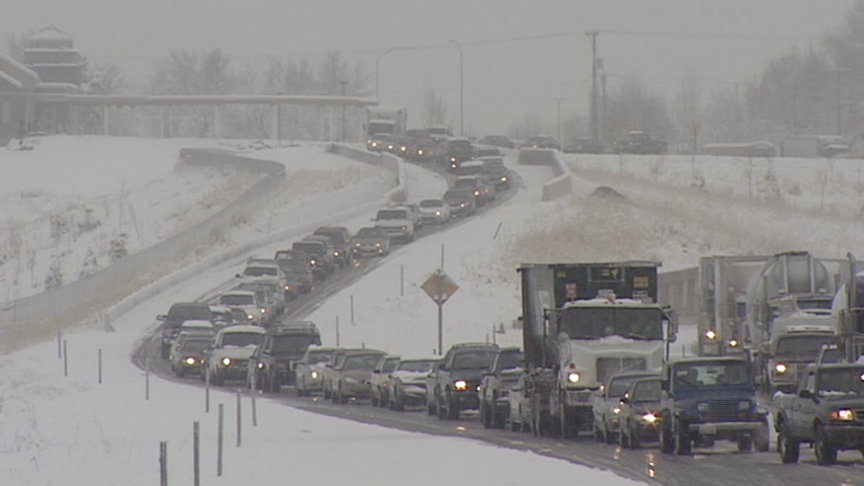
(520, 71)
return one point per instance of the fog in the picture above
(517, 55)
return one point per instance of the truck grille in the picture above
(607, 367)
(724, 411)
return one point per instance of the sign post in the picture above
(440, 287)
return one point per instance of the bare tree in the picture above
(436, 109)
(687, 108)
(631, 106)
(529, 125)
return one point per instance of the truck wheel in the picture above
(787, 446)
(667, 446)
(326, 393)
(745, 443)
(439, 409)
(452, 410)
(498, 417)
(826, 452)
(633, 438)
(683, 443)
(485, 415)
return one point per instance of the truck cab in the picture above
(795, 343)
(710, 398)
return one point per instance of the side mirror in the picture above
(805, 393)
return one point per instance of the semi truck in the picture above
(387, 120)
(583, 322)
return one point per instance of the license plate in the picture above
(708, 429)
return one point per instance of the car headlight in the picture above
(744, 405)
(314, 374)
(476, 193)
(503, 178)
(250, 317)
(357, 245)
(460, 385)
(616, 410)
(649, 417)
(574, 377)
(263, 310)
(419, 152)
(377, 245)
(462, 205)
(313, 262)
(780, 368)
(703, 407)
(437, 213)
(710, 334)
(226, 361)
(190, 361)
(261, 365)
(844, 414)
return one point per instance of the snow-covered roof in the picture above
(50, 33)
(8, 63)
(56, 88)
(14, 82)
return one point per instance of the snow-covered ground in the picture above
(58, 430)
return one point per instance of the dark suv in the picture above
(320, 259)
(176, 316)
(456, 151)
(458, 377)
(272, 363)
(341, 238)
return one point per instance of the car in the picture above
(520, 404)
(327, 377)
(272, 305)
(272, 363)
(378, 142)
(424, 150)
(416, 134)
(297, 269)
(328, 258)
(309, 370)
(479, 187)
(462, 202)
(246, 300)
(179, 313)
(434, 211)
(397, 223)
(415, 212)
(542, 141)
(470, 168)
(496, 172)
(179, 342)
(222, 316)
(605, 406)
(352, 374)
(458, 378)
(496, 384)
(455, 151)
(189, 357)
(402, 146)
(408, 382)
(640, 412)
(341, 239)
(279, 291)
(584, 145)
(229, 357)
(262, 267)
(496, 141)
(830, 353)
(320, 260)
(380, 381)
(370, 241)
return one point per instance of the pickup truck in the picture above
(710, 398)
(827, 411)
(496, 384)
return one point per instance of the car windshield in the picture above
(456, 196)
(389, 365)
(299, 267)
(619, 385)
(474, 360)
(387, 214)
(417, 366)
(510, 361)
(464, 183)
(468, 169)
(361, 362)
(293, 345)
(431, 203)
(196, 345)
(707, 373)
(845, 380)
(646, 391)
(369, 233)
(645, 323)
(318, 357)
(259, 271)
(237, 299)
(803, 346)
(493, 164)
(335, 236)
(308, 246)
(189, 312)
(832, 355)
(285, 256)
(460, 147)
(241, 339)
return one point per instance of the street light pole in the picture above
(461, 89)
(593, 113)
(378, 62)
(343, 109)
(558, 110)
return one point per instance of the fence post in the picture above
(147, 378)
(163, 463)
(196, 453)
(100, 366)
(65, 359)
(206, 389)
(221, 439)
(254, 413)
(239, 421)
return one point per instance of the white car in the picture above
(434, 211)
(247, 300)
(408, 382)
(380, 381)
(232, 348)
(397, 223)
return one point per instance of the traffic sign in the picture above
(439, 286)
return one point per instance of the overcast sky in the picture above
(518, 55)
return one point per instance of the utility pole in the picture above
(593, 115)
(343, 109)
(461, 89)
(558, 111)
(603, 119)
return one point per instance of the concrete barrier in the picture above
(562, 184)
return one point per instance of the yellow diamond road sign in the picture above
(439, 286)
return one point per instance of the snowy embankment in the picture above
(60, 429)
